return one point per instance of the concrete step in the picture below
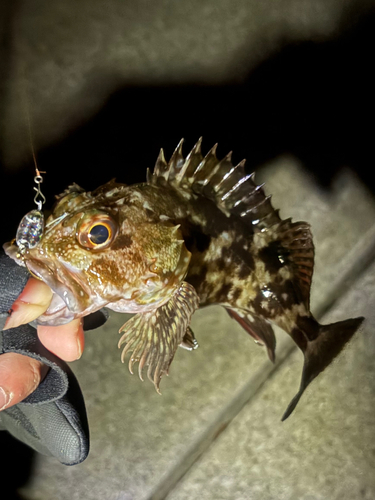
(324, 451)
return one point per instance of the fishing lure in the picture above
(30, 229)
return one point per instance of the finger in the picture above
(66, 341)
(19, 377)
(31, 303)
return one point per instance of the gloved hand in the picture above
(52, 419)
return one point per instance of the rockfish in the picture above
(198, 232)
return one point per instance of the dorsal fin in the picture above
(296, 237)
(235, 192)
(72, 188)
(232, 190)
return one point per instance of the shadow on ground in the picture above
(15, 465)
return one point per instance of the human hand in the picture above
(50, 416)
(20, 375)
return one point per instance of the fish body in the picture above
(198, 232)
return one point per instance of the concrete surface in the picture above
(325, 451)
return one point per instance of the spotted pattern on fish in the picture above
(200, 231)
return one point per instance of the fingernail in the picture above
(79, 340)
(33, 301)
(23, 313)
(36, 293)
(79, 349)
(5, 398)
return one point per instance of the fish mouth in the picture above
(71, 297)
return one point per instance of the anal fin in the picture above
(153, 336)
(259, 329)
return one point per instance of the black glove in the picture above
(52, 420)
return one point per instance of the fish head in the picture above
(101, 249)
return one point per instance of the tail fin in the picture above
(321, 351)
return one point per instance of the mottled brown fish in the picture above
(198, 232)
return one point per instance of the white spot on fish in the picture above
(147, 206)
(264, 305)
(225, 235)
(250, 317)
(284, 273)
(267, 293)
(260, 240)
(261, 274)
(110, 193)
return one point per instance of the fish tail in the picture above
(320, 345)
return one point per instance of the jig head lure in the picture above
(31, 227)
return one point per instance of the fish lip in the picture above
(71, 298)
(47, 272)
(12, 251)
(70, 290)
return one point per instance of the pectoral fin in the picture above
(153, 337)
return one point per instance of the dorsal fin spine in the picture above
(194, 153)
(176, 162)
(228, 194)
(229, 187)
(209, 156)
(256, 207)
(161, 164)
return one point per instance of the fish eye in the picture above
(99, 234)
(97, 231)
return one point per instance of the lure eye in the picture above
(97, 231)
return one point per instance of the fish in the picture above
(198, 232)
